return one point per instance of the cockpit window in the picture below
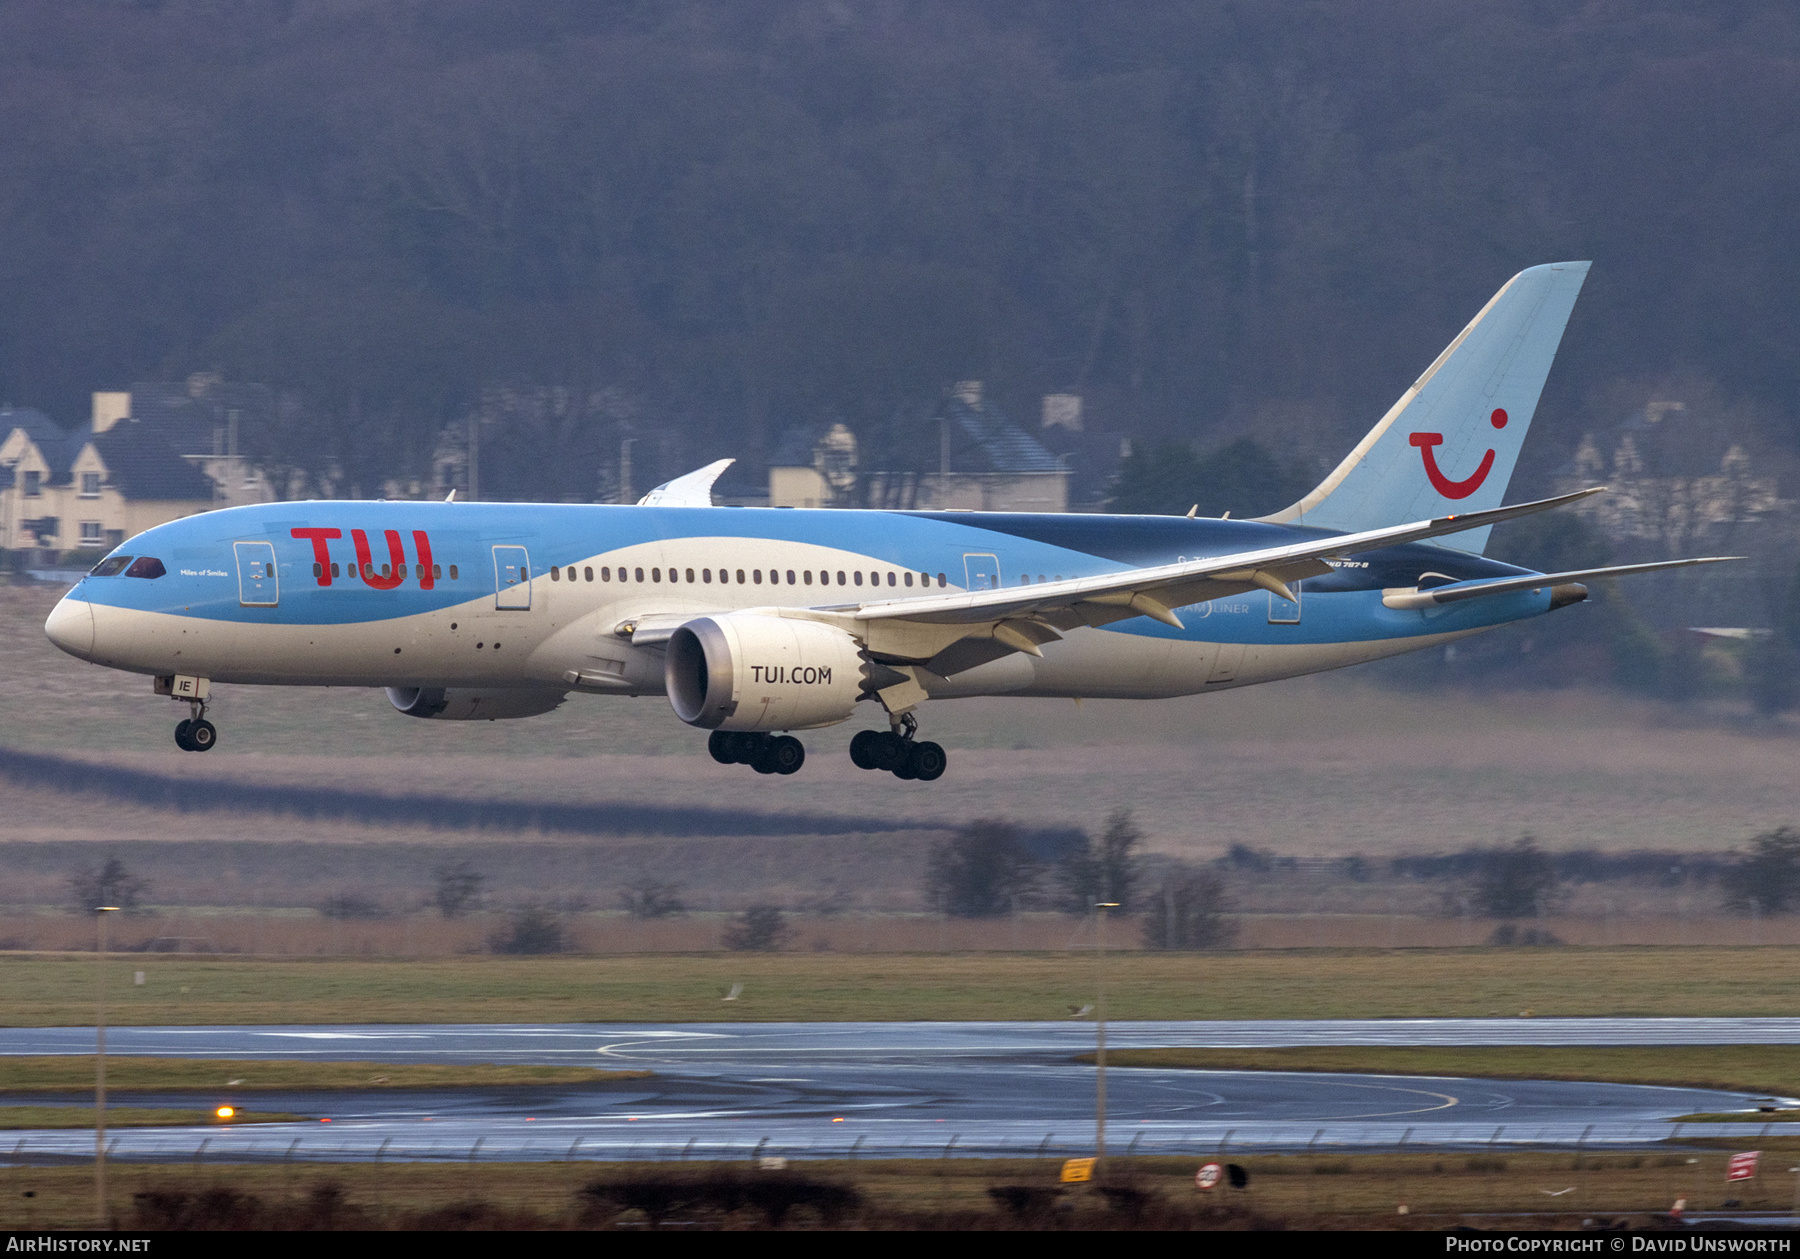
(111, 566)
(146, 566)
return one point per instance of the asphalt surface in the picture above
(893, 1089)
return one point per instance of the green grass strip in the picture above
(63, 1073)
(1763, 1069)
(131, 1117)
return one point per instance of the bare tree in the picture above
(458, 889)
(978, 871)
(112, 884)
(1107, 871)
(1191, 910)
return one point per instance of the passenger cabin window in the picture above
(640, 574)
(149, 566)
(589, 572)
(111, 566)
(453, 572)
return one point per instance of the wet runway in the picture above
(894, 1089)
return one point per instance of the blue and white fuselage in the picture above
(756, 622)
(535, 596)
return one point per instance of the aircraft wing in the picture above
(1023, 617)
(692, 490)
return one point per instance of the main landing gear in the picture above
(764, 753)
(898, 752)
(196, 734)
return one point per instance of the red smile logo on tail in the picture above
(1443, 484)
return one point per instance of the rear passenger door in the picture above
(512, 579)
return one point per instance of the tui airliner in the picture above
(757, 622)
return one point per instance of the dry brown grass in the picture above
(1320, 1191)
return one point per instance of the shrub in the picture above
(1515, 882)
(759, 929)
(1190, 911)
(1767, 881)
(530, 930)
(348, 905)
(649, 899)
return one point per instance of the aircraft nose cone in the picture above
(71, 627)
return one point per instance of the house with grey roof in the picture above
(109, 480)
(980, 461)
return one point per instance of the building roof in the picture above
(142, 465)
(983, 439)
(192, 416)
(50, 440)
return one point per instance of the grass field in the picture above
(65, 1072)
(185, 989)
(130, 1117)
(1507, 1190)
(1739, 1068)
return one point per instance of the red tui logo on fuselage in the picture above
(384, 577)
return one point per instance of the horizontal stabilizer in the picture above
(1458, 591)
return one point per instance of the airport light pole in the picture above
(101, 1217)
(1100, 908)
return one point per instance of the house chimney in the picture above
(109, 409)
(1063, 410)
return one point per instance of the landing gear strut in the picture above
(196, 734)
(764, 753)
(898, 752)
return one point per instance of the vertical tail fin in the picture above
(1450, 442)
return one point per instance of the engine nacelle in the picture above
(740, 672)
(467, 704)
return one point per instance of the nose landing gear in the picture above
(196, 734)
(898, 752)
(764, 753)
